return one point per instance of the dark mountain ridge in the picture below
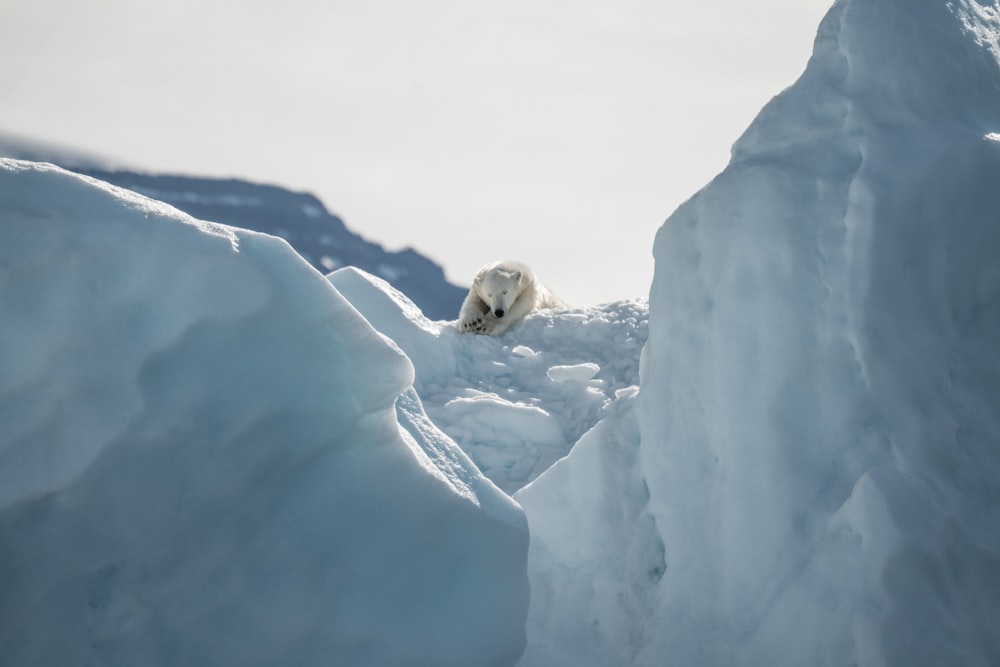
(300, 218)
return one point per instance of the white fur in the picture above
(507, 288)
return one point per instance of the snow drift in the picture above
(814, 476)
(201, 460)
(518, 403)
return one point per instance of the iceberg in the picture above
(815, 461)
(207, 456)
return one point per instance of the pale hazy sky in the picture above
(555, 132)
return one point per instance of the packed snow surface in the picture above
(207, 456)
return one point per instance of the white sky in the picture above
(561, 133)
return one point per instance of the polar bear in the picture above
(501, 294)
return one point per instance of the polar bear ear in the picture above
(517, 276)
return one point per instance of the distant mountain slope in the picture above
(299, 218)
(302, 220)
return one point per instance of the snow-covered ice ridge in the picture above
(517, 403)
(207, 456)
(811, 472)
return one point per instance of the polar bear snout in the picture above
(499, 312)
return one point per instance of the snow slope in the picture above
(203, 459)
(813, 476)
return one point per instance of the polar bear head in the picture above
(499, 287)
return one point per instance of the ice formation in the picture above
(819, 410)
(203, 459)
(518, 403)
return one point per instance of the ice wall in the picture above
(821, 388)
(816, 460)
(201, 462)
